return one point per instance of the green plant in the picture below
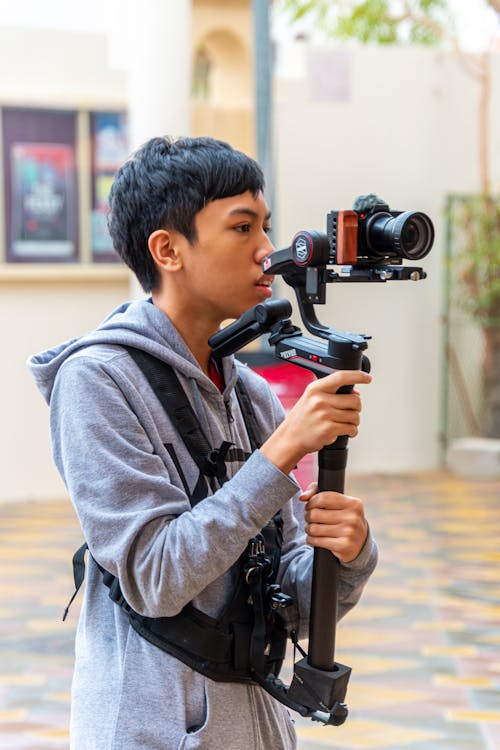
(478, 263)
(418, 21)
(475, 223)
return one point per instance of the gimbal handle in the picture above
(319, 685)
(335, 350)
(332, 461)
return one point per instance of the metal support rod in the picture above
(332, 461)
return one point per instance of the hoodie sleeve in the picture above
(131, 513)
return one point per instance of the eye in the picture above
(243, 228)
(268, 229)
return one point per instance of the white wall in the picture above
(58, 68)
(406, 131)
(36, 315)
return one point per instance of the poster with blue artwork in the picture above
(42, 200)
(109, 151)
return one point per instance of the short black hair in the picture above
(163, 185)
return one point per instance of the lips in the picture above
(265, 281)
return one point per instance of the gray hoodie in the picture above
(109, 434)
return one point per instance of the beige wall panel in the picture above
(406, 131)
(225, 31)
(235, 16)
(34, 316)
(232, 125)
(56, 68)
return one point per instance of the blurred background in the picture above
(407, 108)
(335, 99)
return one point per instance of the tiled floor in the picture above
(424, 644)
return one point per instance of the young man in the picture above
(190, 219)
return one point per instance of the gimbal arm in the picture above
(340, 351)
(319, 685)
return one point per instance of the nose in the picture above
(265, 248)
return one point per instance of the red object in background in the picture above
(288, 382)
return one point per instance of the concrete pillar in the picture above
(157, 57)
(159, 68)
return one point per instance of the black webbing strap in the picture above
(248, 415)
(167, 388)
(211, 462)
(78, 573)
(258, 636)
(205, 637)
(171, 395)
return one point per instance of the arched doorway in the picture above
(222, 88)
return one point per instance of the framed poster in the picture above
(40, 186)
(42, 219)
(109, 151)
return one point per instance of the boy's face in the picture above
(222, 268)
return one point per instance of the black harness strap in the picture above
(248, 415)
(212, 463)
(247, 641)
(78, 573)
(170, 393)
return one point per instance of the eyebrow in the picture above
(249, 212)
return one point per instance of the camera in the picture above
(368, 243)
(368, 235)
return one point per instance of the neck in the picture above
(194, 329)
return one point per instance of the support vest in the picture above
(247, 642)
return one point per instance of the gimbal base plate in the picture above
(318, 689)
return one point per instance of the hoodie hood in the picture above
(139, 324)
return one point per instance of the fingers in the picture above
(344, 377)
(343, 549)
(320, 416)
(332, 501)
(322, 396)
(335, 522)
(332, 411)
(346, 416)
(308, 493)
(330, 516)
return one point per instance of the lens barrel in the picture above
(409, 234)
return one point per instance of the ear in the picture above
(163, 246)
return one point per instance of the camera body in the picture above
(368, 235)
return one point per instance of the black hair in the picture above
(163, 185)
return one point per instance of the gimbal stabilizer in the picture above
(319, 684)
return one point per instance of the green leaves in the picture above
(476, 221)
(369, 21)
(301, 9)
(427, 6)
(378, 21)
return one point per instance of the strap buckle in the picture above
(215, 462)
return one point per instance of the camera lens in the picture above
(414, 234)
(409, 235)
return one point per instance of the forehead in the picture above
(236, 206)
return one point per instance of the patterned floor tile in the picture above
(424, 642)
(362, 735)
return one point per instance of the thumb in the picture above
(309, 492)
